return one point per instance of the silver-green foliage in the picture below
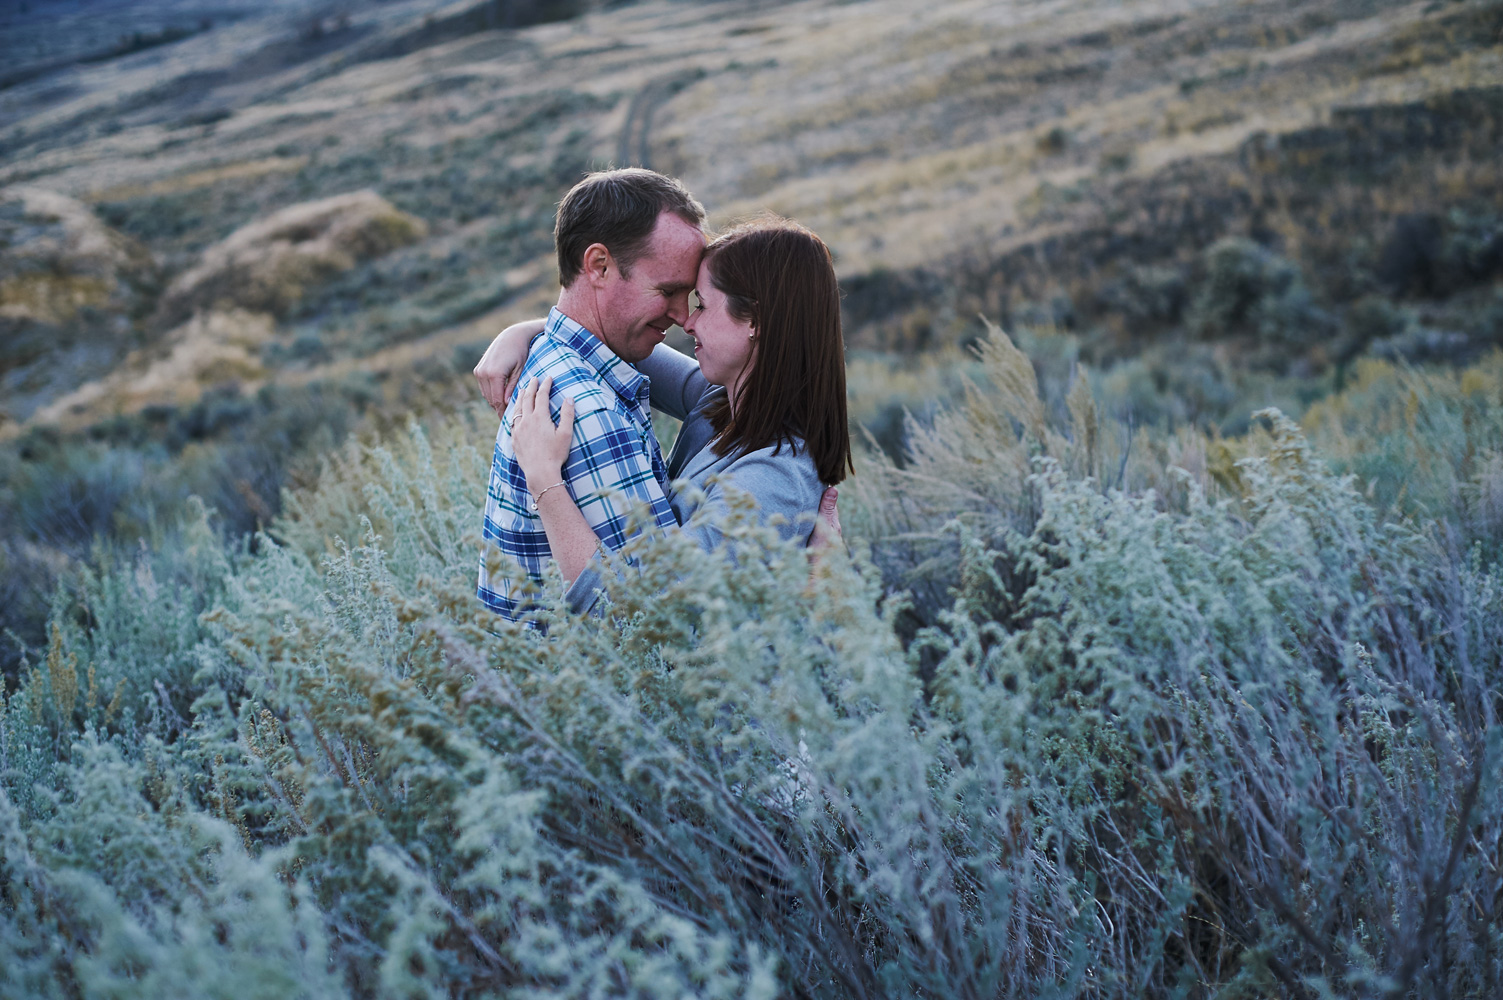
(1154, 743)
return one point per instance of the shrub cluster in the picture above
(1219, 729)
(67, 497)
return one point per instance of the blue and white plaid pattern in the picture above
(614, 464)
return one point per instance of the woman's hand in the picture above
(540, 446)
(500, 366)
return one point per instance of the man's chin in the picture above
(650, 339)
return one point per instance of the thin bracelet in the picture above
(545, 492)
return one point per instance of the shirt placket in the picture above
(649, 439)
(638, 406)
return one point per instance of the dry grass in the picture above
(210, 349)
(268, 264)
(51, 298)
(56, 258)
(203, 178)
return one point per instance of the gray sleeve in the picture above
(676, 382)
(584, 593)
(786, 487)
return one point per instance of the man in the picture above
(628, 244)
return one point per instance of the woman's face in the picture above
(723, 344)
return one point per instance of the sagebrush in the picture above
(1092, 713)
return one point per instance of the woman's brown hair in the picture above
(778, 276)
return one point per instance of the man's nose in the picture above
(678, 308)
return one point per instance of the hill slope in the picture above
(963, 157)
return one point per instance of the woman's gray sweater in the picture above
(782, 479)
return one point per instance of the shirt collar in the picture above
(624, 380)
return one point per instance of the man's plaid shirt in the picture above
(614, 463)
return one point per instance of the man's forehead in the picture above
(676, 247)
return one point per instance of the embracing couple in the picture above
(763, 406)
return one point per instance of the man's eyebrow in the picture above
(676, 286)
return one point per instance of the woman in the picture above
(763, 409)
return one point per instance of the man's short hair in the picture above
(617, 208)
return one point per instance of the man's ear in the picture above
(598, 263)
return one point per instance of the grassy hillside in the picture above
(1127, 691)
(1061, 163)
(1214, 207)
